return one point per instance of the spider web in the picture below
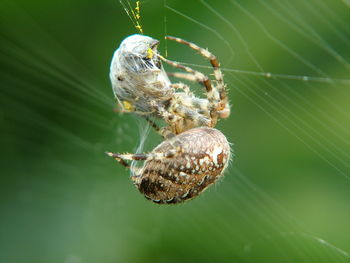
(284, 197)
(304, 104)
(297, 92)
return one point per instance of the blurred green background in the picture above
(285, 197)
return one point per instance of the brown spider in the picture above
(194, 154)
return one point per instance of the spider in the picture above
(194, 154)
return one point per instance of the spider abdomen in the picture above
(191, 162)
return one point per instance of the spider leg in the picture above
(173, 119)
(223, 106)
(184, 87)
(211, 93)
(180, 75)
(162, 131)
(190, 115)
(178, 116)
(153, 125)
(197, 76)
(200, 104)
(123, 157)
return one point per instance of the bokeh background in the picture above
(285, 197)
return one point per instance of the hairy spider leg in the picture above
(197, 76)
(122, 158)
(177, 116)
(164, 132)
(223, 107)
(182, 86)
(205, 81)
(181, 75)
(188, 114)
(201, 105)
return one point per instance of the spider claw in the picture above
(116, 156)
(109, 154)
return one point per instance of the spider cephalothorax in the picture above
(194, 154)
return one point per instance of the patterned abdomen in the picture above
(193, 160)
